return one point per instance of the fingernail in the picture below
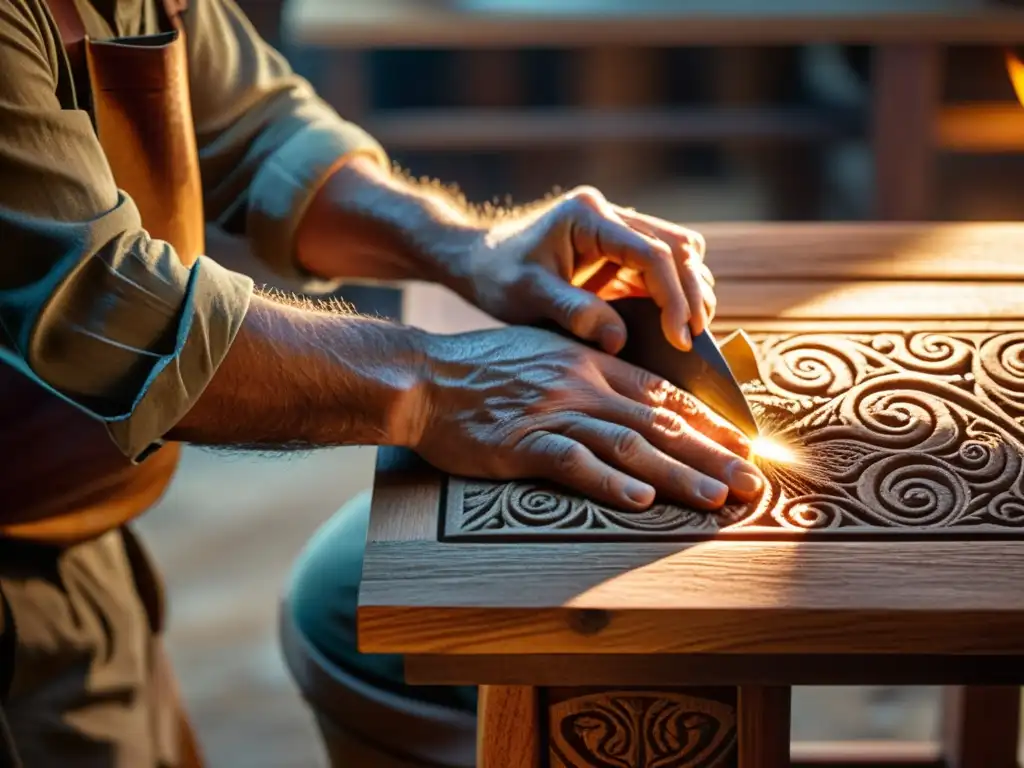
(712, 491)
(687, 339)
(702, 315)
(639, 493)
(612, 338)
(744, 478)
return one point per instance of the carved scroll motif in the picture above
(893, 432)
(640, 729)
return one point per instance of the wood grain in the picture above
(713, 669)
(369, 24)
(764, 727)
(980, 726)
(888, 251)
(729, 597)
(845, 300)
(406, 495)
(508, 730)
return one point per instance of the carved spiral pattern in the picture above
(999, 371)
(816, 369)
(931, 353)
(537, 506)
(529, 506)
(1008, 508)
(816, 512)
(640, 730)
(894, 430)
(920, 493)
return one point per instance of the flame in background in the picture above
(1015, 68)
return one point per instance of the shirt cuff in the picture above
(216, 304)
(288, 181)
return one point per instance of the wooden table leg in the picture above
(981, 725)
(508, 727)
(763, 726)
(907, 94)
(688, 727)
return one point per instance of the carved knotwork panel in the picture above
(641, 729)
(893, 433)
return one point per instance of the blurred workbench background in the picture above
(688, 109)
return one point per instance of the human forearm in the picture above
(367, 222)
(301, 377)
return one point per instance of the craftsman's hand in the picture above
(520, 266)
(526, 403)
(522, 271)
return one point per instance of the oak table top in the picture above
(892, 358)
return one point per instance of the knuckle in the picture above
(628, 444)
(583, 363)
(570, 457)
(609, 485)
(642, 415)
(658, 252)
(587, 196)
(669, 422)
(684, 476)
(689, 258)
(656, 390)
(576, 312)
(695, 240)
(685, 404)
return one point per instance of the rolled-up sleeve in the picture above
(91, 307)
(266, 141)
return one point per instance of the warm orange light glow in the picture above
(1015, 68)
(772, 450)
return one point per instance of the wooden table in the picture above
(893, 356)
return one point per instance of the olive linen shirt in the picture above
(91, 306)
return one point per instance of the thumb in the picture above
(580, 312)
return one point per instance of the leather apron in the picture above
(62, 479)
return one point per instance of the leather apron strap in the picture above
(72, 34)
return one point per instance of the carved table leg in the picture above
(981, 725)
(641, 726)
(764, 726)
(508, 727)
